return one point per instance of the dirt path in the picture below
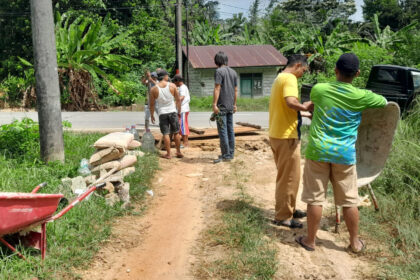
(158, 245)
(163, 243)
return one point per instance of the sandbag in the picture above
(134, 145)
(106, 155)
(107, 166)
(135, 153)
(119, 175)
(116, 139)
(128, 161)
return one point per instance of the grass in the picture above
(397, 224)
(249, 254)
(204, 104)
(73, 239)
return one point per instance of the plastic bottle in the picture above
(127, 129)
(148, 142)
(134, 131)
(84, 167)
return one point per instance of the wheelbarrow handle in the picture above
(38, 187)
(76, 201)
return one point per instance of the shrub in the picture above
(20, 140)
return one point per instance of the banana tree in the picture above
(386, 38)
(87, 49)
(207, 34)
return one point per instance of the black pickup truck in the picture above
(396, 83)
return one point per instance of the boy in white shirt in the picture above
(184, 94)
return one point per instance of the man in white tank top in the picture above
(166, 96)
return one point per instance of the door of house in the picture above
(251, 84)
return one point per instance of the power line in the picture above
(80, 8)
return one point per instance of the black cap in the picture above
(161, 73)
(177, 78)
(348, 63)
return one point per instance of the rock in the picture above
(109, 187)
(66, 182)
(78, 185)
(126, 205)
(111, 199)
(306, 276)
(90, 179)
(128, 270)
(124, 192)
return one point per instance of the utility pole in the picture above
(46, 75)
(187, 40)
(179, 35)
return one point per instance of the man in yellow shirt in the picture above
(284, 135)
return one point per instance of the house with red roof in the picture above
(256, 65)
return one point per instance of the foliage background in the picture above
(143, 34)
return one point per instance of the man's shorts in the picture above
(168, 123)
(343, 179)
(183, 122)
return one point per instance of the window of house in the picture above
(251, 84)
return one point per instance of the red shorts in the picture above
(183, 123)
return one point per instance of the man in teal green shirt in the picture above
(331, 152)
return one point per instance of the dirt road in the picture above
(162, 244)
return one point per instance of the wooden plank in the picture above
(212, 133)
(249, 125)
(197, 131)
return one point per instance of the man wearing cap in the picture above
(184, 95)
(166, 96)
(331, 152)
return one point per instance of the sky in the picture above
(229, 7)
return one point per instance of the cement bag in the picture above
(119, 175)
(116, 139)
(134, 145)
(107, 166)
(105, 155)
(128, 161)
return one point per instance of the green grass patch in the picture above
(204, 104)
(397, 224)
(73, 239)
(242, 231)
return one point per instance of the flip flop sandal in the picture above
(290, 224)
(165, 157)
(351, 250)
(300, 242)
(179, 155)
(298, 214)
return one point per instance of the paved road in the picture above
(116, 120)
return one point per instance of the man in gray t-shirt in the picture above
(228, 80)
(224, 105)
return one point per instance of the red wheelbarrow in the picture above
(19, 211)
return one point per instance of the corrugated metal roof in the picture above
(239, 56)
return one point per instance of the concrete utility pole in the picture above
(47, 88)
(179, 35)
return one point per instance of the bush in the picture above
(13, 87)
(20, 140)
(244, 104)
(130, 87)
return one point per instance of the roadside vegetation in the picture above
(241, 230)
(73, 239)
(204, 104)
